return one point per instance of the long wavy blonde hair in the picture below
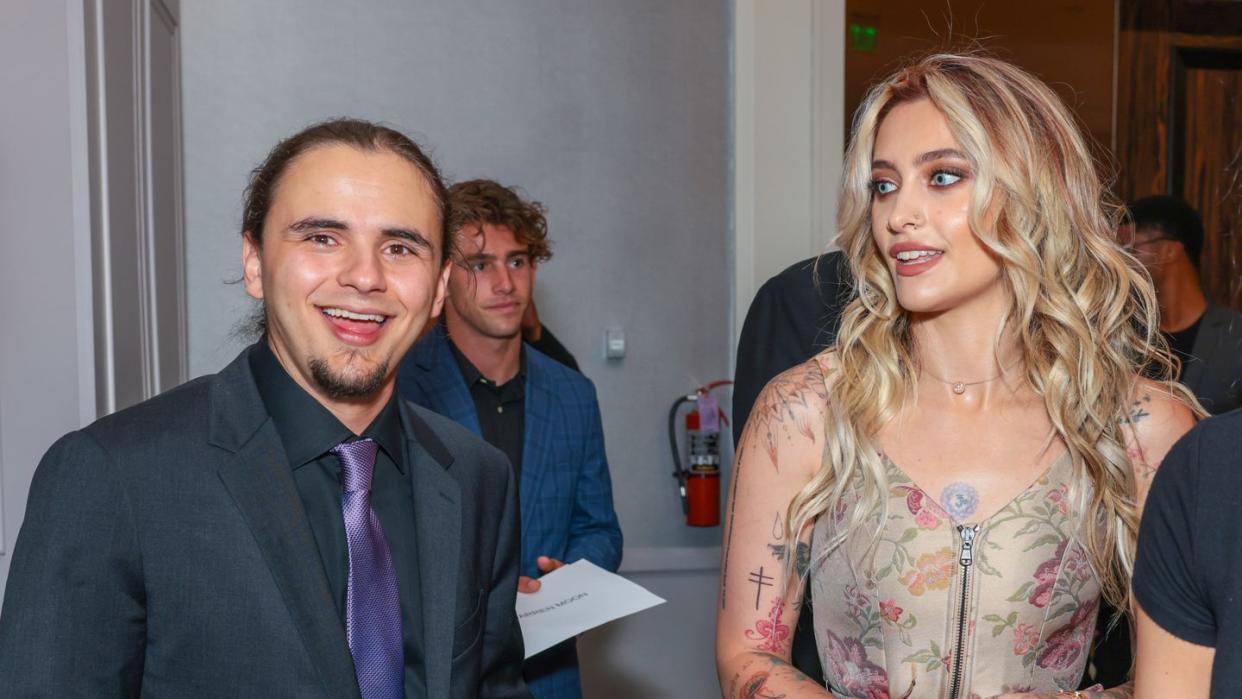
(1083, 313)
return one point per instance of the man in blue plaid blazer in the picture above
(475, 369)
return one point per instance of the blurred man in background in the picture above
(1165, 234)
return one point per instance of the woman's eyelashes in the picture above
(939, 178)
(882, 187)
(946, 177)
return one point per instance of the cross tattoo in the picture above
(761, 581)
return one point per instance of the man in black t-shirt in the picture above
(1188, 571)
(1165, 234)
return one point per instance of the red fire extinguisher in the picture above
(699, 476)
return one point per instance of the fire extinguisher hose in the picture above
(679, 471)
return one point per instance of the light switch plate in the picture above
(614, 343)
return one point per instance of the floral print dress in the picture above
(940, 609)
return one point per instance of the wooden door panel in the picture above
(1179, 123)
(1205, 144)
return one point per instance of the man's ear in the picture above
(1177, 247)
(441, 289)
(1164, 251)
(252, 266)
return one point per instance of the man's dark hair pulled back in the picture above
(363, 135)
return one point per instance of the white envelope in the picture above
(574, 598)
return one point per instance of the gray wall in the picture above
(614, 114)
(46, 359)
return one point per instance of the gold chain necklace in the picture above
(959, 387)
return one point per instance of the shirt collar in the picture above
(385, 429)
(307, 429)
(472, 375)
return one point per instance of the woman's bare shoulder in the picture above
(1158, 409)
(790, 411)
(1157, 416)
(796, 393)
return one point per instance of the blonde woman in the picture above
(959, 479)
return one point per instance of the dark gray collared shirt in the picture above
(501, 409)
(308, 431)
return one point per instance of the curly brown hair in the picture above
(475, 202)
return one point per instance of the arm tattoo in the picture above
(728, 544)
(753, 687)
(801, 553)
(1139, 459)
(761, 581)
(771, 633)
(1138, 411)
(776, 407)
(751, 682)
(785, 401)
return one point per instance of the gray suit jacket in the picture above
(166, 552)
(1214, 373)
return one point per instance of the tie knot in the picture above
(357, 463)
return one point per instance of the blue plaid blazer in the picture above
(565, 493)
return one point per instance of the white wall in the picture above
(46, 355)
(788, 126)
(668, 651)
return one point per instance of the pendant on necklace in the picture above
(959, 388)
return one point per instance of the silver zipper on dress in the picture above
(965, 558)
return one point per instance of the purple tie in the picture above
(372, 600)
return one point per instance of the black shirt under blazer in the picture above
(166, 552)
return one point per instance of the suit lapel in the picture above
(536, 446)
(258, 477)
(442, 383)
(437, 516)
